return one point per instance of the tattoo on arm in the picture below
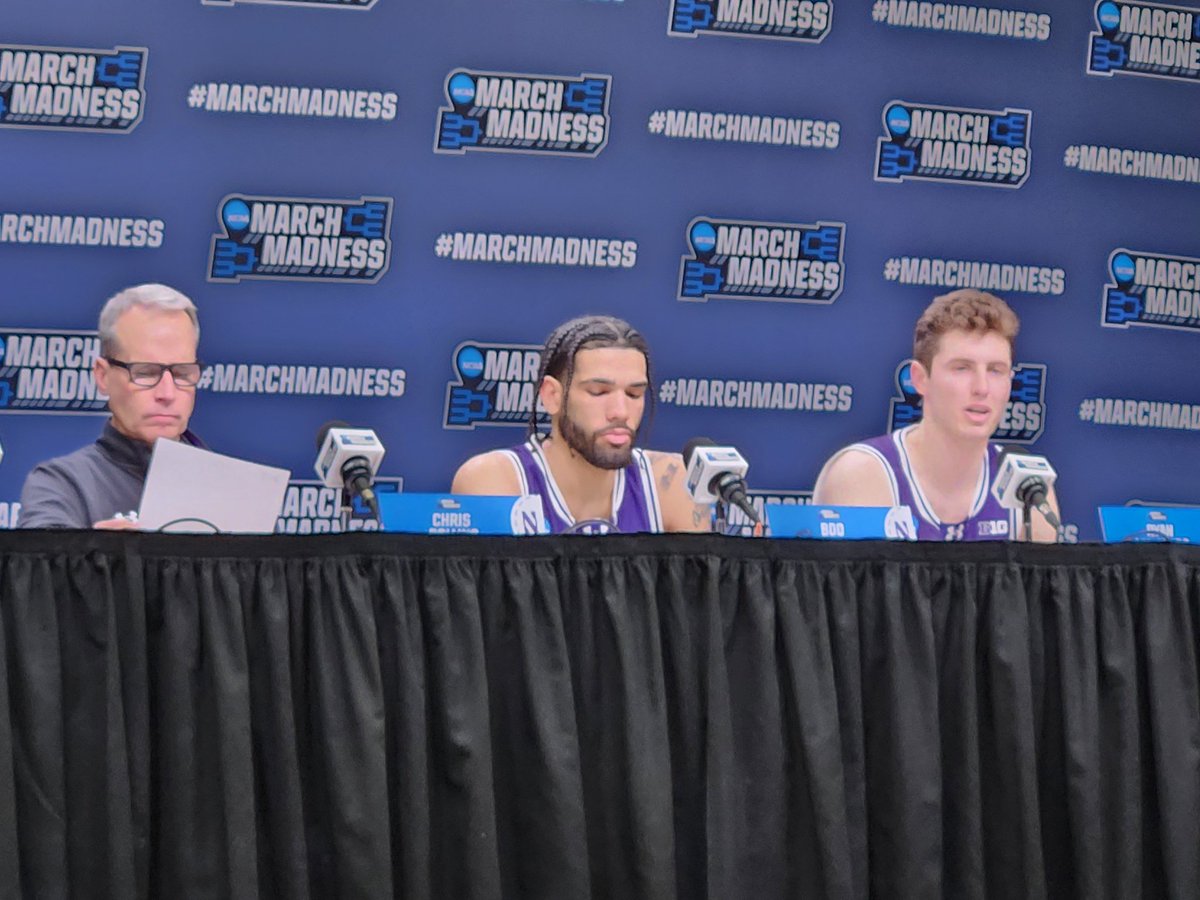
(700, 514)
(668, 476)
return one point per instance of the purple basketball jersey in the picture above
(987, 521)
(634, 500)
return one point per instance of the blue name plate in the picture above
(841, 523)
(461, 514)
(1150, 523)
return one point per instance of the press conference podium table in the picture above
(658, 717)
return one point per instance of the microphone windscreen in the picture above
(690, 448)
(323, 431)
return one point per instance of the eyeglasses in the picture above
(148, 374)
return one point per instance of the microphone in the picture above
(1023, 480)
(349, 458)
(716, 473)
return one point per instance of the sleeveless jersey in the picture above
(987, 520)
(634, 500)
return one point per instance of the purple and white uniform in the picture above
(987, 520)
(634, 500)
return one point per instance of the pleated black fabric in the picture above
(668, 718)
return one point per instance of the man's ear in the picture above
(919, 376)
(100, 370)
(551, 394)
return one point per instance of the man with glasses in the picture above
(149, 370)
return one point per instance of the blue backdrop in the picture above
(380, 207)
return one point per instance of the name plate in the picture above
(461, 514)
(841, 523)
(1150, 523)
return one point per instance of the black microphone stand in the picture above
(354, 471)
(721, 516)
(1033, 493)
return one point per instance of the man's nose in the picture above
(618, 406)
(166, 389)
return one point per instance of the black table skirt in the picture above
(625, 717)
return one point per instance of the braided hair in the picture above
(585, 333)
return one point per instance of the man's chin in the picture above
(612, 459)
(981, 432)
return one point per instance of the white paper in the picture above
(190, 489)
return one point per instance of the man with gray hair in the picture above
(149, 370)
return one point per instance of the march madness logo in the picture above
(1023, 421)
(1150, 39)
(961, 145)
(743, 260)
(496, 384)
(739, 523)
(295, 239)
(72, 89)
(503, 112)
(49, 372)
(309, 507)
(1152, 290)
(791, 20)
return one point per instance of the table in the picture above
(674, 716)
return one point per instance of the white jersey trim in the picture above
(559, 504)
(646, 473)
(516, 464)
(557, 501)
(924, 508)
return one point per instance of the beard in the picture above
(587, 444)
